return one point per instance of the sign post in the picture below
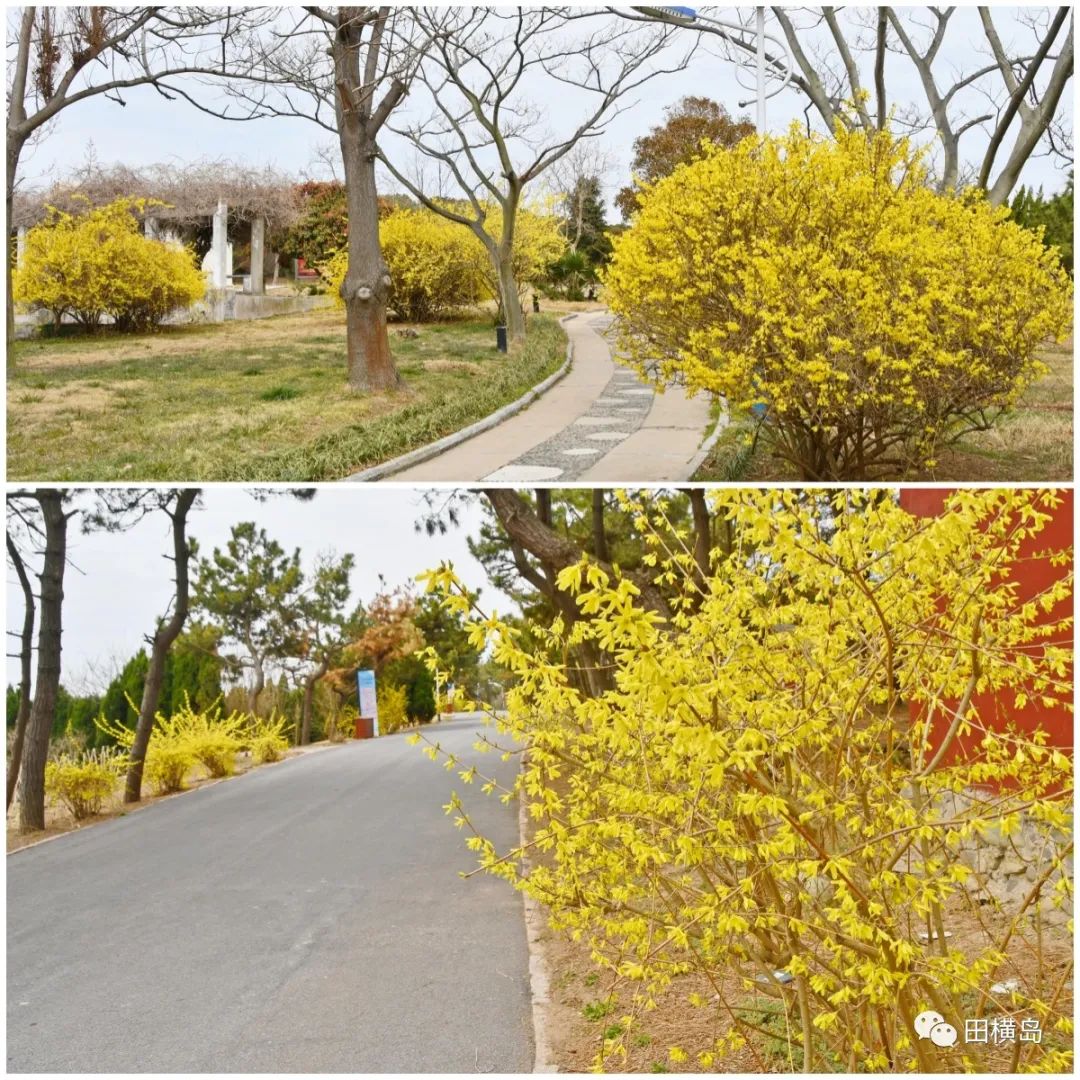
(367, 701)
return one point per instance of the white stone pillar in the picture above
(150, 228)
(220, 270)
(258, 254)
(20, 245)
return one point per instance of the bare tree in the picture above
(26, 659)
(190, 192)
(119, 509)
(1012, 88)
(51, 533)
(60, 56)
(345, 69)
(487, 139)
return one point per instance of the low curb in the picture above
(539, 979)
(425, 453)
(722, 422)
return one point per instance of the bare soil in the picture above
(587, 1004)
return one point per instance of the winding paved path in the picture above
(305, 917)
(599, 423)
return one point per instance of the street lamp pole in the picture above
(760, 20)
(736, 34)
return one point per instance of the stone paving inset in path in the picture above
(601, 423)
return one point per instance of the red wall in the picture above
(1032, 577)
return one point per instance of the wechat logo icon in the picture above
(931, 1025)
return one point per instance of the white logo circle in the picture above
(931, 1025)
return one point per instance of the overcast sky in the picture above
(151, 130)
(118, 584)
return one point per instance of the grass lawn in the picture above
(1033, 443)
(252, 401)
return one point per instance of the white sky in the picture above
(150, 130)
(122, 582)
(125, 583)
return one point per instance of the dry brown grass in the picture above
(263, 401)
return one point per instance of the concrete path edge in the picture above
(539, 977)
(721, 424)
(386, 469)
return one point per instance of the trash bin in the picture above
(365, 727)
(500, 338)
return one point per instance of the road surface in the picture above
(305, 917)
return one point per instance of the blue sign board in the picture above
(366, 698)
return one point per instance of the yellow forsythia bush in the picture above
(823, 279)
(341, 725)
(214, 739)
(392, 703)
(435, 266)
(84, 781)
(266, 738)
(98, 263)
(438, 267)
(765, 795)
(183, 741)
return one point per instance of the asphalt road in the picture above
(305, 917)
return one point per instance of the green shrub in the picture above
(422, 697)
(1053, 215)
(83, 782)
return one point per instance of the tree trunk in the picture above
(600, 549)
(309, 700)
(50, 629)
(163, 639)
(702, 540)
(26, 644)
(513, 318)
(1032, 130)
(14, 151)
(366, 287)
(543, 506)
(256, 687)
(527, 530)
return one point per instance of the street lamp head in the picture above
(686, 14)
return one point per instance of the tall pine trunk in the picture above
(256, 687)
(309, 700)
(50, 629)
(166, 634)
